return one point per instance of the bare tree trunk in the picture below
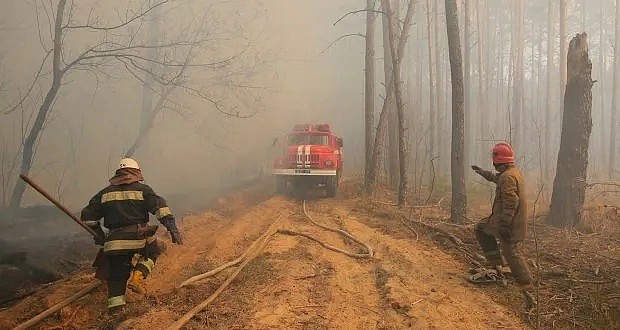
(501, 79)
(441, 110)
(369, 105)
(400, 107)
(459, 199)
(563, 36)
(603, 85)
(389, 91)
(37, 128)
(392, 123)
(148, 120)
(550, 67)
(389, 104)
(469, 116)
(483, 98)
(570, 181)
(149, 113)
(614, 97)
(517, 96)
(431, 81)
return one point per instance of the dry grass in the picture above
(579, 267)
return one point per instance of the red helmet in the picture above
(503, 154)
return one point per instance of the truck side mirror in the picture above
(339, 143)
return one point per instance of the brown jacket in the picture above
(510, 205)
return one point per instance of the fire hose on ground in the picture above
(252, 252)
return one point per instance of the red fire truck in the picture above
(312, 158)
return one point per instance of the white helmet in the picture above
(128, 163)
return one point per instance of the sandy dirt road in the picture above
(295, 283)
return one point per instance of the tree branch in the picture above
(342, 37)
(356, 12)
(108, 28)
(30, 88)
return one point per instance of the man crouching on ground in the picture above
(508, 221)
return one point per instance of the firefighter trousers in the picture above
(120, 267)
(511, 252)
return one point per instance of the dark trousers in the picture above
(120, 267)
(511, 252)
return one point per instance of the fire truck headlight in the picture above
(329, 163)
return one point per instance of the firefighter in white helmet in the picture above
(124, 206)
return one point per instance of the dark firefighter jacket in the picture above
(125, 211)
(510, 205)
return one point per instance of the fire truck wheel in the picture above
(280, 185)
(332, 186)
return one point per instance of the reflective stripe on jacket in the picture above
(126, 204)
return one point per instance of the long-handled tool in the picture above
(58, 205)
(101, 262)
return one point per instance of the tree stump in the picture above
(570, 181)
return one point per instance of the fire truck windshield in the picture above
(308, 139)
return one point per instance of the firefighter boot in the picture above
(136, 282)
(116, 305)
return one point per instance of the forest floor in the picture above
(416, 279)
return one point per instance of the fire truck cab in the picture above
(312, 158)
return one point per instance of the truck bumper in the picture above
(304, 172)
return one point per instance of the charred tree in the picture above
(570, 180)
(459, 199)
(369, 93)
(400, 107)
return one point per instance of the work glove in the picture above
(477, 169)
(171, 226)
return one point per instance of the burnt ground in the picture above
(39, 246)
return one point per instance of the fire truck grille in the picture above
(304, 160)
